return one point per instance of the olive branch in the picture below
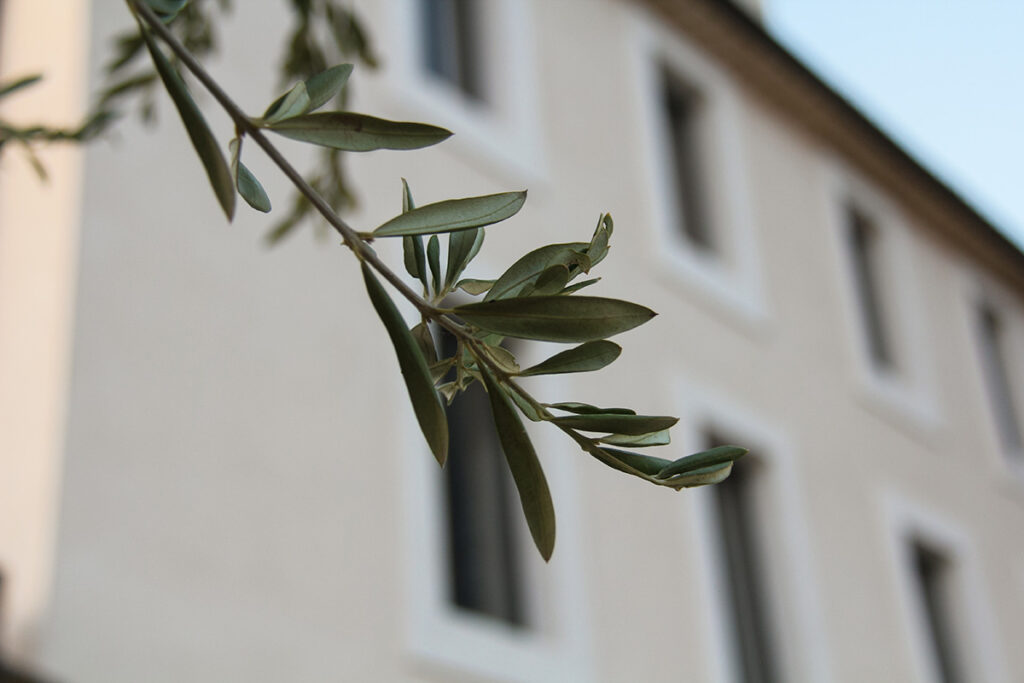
(535, 298)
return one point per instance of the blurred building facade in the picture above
(210, 470)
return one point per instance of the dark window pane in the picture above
(483, 537)
(741, 559)
(997, 377)
(682, 111)
(932, 573)
(451, 43)
(863, 243)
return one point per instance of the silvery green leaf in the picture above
(555, 318)
(434, 260)
(420, 385)
(647, 464)
(454, 214)
(587, 409)
(702, 477)
(412, 245)
(323, 87)
(251, 189)
(198, 131)
(659, 438)
(293, 103)
(421, 333)
(583, 358)
(474, 287)
(579, 285)
(709, 458)
(528, 268)
(503, 358)
(534, 494)
(598, 248)
(463, 246)
(617, 424)
(359, 132)
(551, 281)
(525, 407)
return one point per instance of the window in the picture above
(734, 504)
(862, 235)
(683, 116)
(450, 44)
(689, 116)
(483, 520)
(932, 578)
(447, 56)
(992, 338)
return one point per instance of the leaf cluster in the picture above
(535, 298)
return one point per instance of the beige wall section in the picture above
(38, 244)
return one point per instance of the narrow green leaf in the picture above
(504, 358)
(598, 248)
(293, 103)
(418, 381)
(587, 409)
(525, 407)
(529, 267)
(251, 189)
(474, 287)
(198, 131)
(556, 318)
(434, 259)
(579, 285)
(412, 245)
(248, 186)
(648, 464)
(702, 477)
(421, 333)
(617, 424)
(359, 132)
(463, 246)
(526, 470)
(659, 438)
(551, 281)
(454, 214)
(323, 87)
(708, 458)
(583, 358)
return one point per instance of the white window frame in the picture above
(506, 129)
(803, 651)
(907, 523)
(905, 394)
(981, 289)
(556, 645)
(729, 276)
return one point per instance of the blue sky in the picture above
(944, 78)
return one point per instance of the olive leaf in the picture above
(526, 470)
(293, 103)
(617, 424)
(583, 358)
(326, 85)
(358, 132)
(529, 267)
(418, 381)
(246, 183)
(709, 458)
(198, 131)
(412, 245)
(555, 318)
(463, 246)
(454, 214)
